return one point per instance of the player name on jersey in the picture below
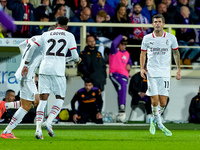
(57, 33)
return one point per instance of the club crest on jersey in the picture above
(167, 42)
(124, 57)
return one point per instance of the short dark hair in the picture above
(62, 20)
(137, 4)
(9, 91)
(124, 42)
(158, 16)
(88, 80)
(44, 16)
(58, 6)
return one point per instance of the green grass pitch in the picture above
(185, 137)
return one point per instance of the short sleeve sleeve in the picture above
(144, 45)
(174, 43)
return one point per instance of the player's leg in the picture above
(163, 97)
(59, 89)
(152, 91)
(44, 90)
(27, 95)
(163, 102)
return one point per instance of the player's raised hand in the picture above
(143, 73)
(24, 71)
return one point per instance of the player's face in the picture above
(88, 86)
(158, 24)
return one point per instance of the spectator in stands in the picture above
(40, 29)
(149, 10)
(120, 17)
(170, 8)
(193, 16)
(137, 33)
(186, 37)
(102, 5)
(89, 104)
(162, 9)
(82, 4)
(60, 10)
(103, 33)
(93, 65)
(22, 10)
(69, 13)
(137, 90)
(128, 7)
(194, 109)
(85, 16)
(3, 3)
(43, 8)
(192, 4)
(73, 4)
(119, 67)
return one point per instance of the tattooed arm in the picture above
(176, 55)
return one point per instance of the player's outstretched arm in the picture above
(176, 55)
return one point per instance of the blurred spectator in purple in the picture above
(22, 10)
(82, 4)
(85, 16)
(40, 29)
(5, 20)
(120, 17)
(162, 9)
(186, 37)
(59, 11)
(149, 10)
(43, 8)
(193, 16)
(102, 5)
(69, 13)
(137, 33)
